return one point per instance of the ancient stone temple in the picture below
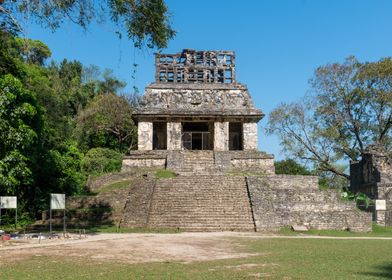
(196, 104)
(199, 122)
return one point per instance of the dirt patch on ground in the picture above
(132, 248)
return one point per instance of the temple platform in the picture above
(201, 161)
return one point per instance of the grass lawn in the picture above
(377, 231)
(115, 186)
(278, 259)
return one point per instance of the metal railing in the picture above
(196, 140)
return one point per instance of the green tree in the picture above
(107, 122)
(109, 84)
(101, 160)
(291, 167)
(350, 109)
(65, 169)
(40, 105)
(33, 51)
(144, 21)
(19, 129)
(10, 58)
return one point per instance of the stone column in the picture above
(250, 136)
(221, 136)
(144, 134)
(174, 132)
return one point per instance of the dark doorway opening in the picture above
(159, 136)
(235, 136)
(197, 135)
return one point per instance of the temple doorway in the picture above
(197, 135)
(235, 136)
(159, 136)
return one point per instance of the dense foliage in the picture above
(59, 122)
(101, 160)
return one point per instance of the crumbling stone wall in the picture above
(283, 200)
(144, 159)
(372, 175)
(245, 161)
(124, 207)
(190, 66)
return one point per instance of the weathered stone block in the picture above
(221, 137)
(129, 164)
(259, 165)
(250, 136)
(144, 134)
(174, 136)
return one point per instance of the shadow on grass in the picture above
(382, 271)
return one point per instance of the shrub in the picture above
(360, 198)
(101, 160)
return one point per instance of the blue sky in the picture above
(278, 43)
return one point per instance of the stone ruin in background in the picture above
(372, 175)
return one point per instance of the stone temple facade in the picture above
(196, 104)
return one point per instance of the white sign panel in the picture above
(8, 202)
(381, 204)
(57, 201)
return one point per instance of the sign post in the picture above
(9, 202)
(57, 202)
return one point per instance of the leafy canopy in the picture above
(143, 21)
(350, 109)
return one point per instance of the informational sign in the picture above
(57, 201)
(8, 202)
(381, 205)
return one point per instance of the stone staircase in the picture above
(201, 203)
(195, 162)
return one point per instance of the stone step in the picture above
(205, 202)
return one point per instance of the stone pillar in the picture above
(174, 133)
(250, 136)
(144, 136)
(221, 136)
